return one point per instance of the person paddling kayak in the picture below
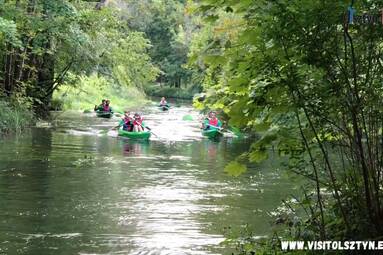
(137, 123)
(107, 107)
(163, 102)
(127, 122)
(211, 122)
(211, 127)
(164, 105)
(101, 106)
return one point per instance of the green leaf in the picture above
(235, 169)
(238, 82)
(257, 156)
(211, 18)
(249, 36)
(214, 60)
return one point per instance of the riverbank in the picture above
(14, 117)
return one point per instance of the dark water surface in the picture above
(69, 189)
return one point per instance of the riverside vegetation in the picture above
(311, 87)
(308, 86)
(14, 117)
(48, 46)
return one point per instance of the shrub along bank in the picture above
(14, 117)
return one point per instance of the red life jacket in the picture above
(128, 120)
(213, 122)
(137, 122)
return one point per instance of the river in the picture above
(67, 188)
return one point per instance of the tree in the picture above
(309, 86)
(42, 41)
(163, 23)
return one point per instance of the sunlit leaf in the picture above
(258, 156)
(234, 168)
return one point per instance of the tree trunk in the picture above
(9, 70)
(101, 4)
(45, 83)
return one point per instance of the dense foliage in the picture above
(89, 90)
(310, 84)
(169, 29)
(43, 41)
(294, 72)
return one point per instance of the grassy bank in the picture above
(89, 91)
(14, 117)
(170, 92)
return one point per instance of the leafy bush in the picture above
(14, 117)
(89, 91)
(307, 86)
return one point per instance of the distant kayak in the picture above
(102, 114)
(134, 135)
(211, 133)
(164, 107)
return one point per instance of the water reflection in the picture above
(134, 148)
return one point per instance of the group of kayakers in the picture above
(134, 122)
(104, 106)
(129, 123)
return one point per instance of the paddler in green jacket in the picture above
(101, 106)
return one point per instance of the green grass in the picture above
(89, 91)
(14, 117)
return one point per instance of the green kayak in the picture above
(134, 135)
(164, 107)
(102, 114)
(211, 133)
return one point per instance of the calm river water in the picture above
(66, 188)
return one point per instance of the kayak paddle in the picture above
(235, 131)
(220, 129)
(107, 130)
(148, 128)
